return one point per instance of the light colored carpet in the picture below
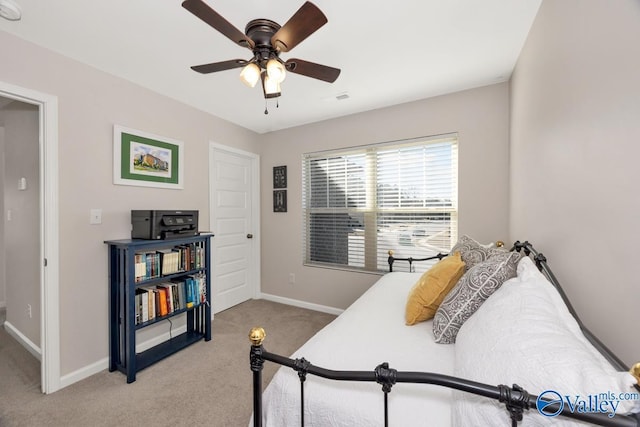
(206, 384)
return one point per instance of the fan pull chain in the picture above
(266, 111)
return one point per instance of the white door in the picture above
(233, 207)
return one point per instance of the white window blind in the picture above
(360, 203)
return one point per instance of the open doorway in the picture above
(29, 235)
(20, 236)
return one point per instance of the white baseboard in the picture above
(302, 304)
(103, 364)
(82, 373)
(23, 340)
(140, 347)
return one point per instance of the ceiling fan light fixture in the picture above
(275, 70)
(266, 39)
(250, 74)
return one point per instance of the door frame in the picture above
(49, 264)
(254, 262)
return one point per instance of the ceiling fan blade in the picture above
(219, 66)
(313, 70)
(307, 20)
(213, 18)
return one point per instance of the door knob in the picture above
(249, 236)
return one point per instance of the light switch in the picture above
(22, 184)
(95, 216)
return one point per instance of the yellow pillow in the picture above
(427, 294)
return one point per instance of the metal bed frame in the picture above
(515, 398)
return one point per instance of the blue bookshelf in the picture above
(124, 310)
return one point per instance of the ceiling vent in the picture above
(342, 96)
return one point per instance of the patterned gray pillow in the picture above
(473, 252)
(473, 288)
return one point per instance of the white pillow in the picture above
(524, 334)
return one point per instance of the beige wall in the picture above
(22, 231)
(575, 108)
(90, 102)
(481, 118)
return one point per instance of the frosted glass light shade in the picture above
(276, 71)
(271, 86)
(250, 75)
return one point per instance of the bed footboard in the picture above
(515, 399)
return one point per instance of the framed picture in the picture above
(147, 160)
(279, 177)
(279, 200)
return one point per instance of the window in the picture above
(359, 203)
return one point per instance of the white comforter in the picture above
(371, 331)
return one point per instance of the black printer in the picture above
(157, 225)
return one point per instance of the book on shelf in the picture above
(202, 290)
(165, 298)
(147, 266)
(156, 294)
(196, 289)
(168, 261)
(142, 305)
(188, 256)
(189, 290)
(185, 258)
(181, 293)
(192, 256)
(190, 250)
(137, 306)
(140, 267)
(152, 299)
(162, 301)
(152, 265)
(174, 295)
(165, 261)
(168, 294)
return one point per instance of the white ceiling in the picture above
(389, 52)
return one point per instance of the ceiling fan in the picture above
(267, 39)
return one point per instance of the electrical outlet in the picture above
(292, 278)
(29, 313)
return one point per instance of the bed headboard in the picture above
(411, 260)
(393, 259)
